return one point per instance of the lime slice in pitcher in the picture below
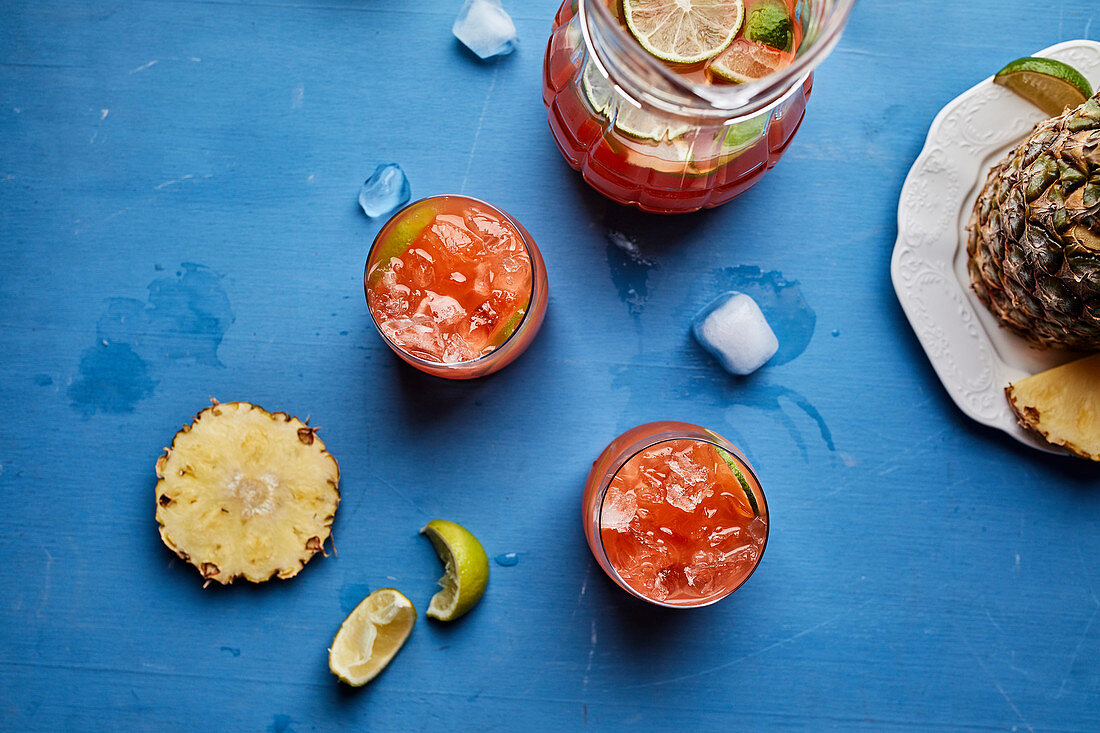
(684, 31)
(745, 61)
(630, 118)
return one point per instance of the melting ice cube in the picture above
(385, 190)
(734, 330)
(484, 28)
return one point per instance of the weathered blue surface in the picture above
(178, 219)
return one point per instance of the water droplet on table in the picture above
(508, 559)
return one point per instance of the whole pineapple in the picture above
(1034, 245)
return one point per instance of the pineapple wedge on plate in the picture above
(1062, 405)
(246, 493)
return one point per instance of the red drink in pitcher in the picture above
(677, 105)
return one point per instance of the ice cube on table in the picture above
(484, 28)
(734, 330)
(385, 190)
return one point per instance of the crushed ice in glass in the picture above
(385, 190)
(619, 508)
(734, 330)
(485, 28)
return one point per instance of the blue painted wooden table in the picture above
(178, 220)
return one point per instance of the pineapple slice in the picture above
(1062, 405)
(246, 492)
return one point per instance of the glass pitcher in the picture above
(646, 136)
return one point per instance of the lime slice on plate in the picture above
(466, 569)
(400, 238)
(684, 31)
(745, 61)
(1048, 84)
(370, 636)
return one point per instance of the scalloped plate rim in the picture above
(958, 203)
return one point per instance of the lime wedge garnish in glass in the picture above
(1048, 84)
(370, 636)
(507, 328)
(400, 238)
(732, 463)
(684, 31)
(466, 569)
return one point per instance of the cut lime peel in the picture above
(638, 123)
(628, 118)
(732, 463)
(444, 599)
(743, 134)
(597, 89)
(722, 65)
(1049, 67)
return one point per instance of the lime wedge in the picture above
(745, 61)
(508, 328)
(684, 31)
(1050, 85)
(400, 238)
(732, 463)
(370, 636)
(466, 569)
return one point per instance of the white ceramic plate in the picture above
(973, 356)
